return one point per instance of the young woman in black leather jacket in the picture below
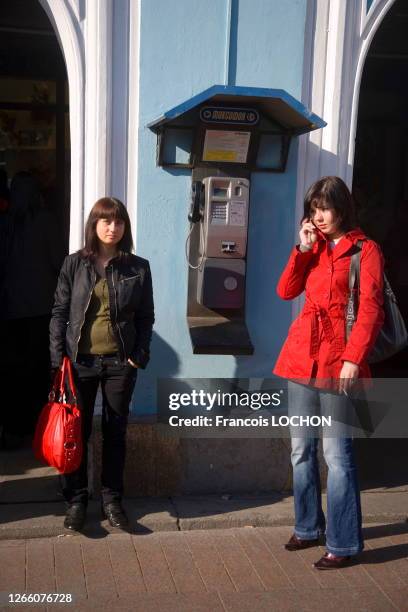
(102, 320)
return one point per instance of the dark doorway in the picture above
(34, 201)
(34, 117)
(380, 189)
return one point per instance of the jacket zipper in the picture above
(83, 320)
(116, 315)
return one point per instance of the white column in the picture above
(98, 100)
(133, 114)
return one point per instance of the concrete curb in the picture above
(184, 513)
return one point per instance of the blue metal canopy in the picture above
(275, 104)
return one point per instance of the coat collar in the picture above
(345, 244)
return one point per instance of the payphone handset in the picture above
(225, 217)
(197, 202)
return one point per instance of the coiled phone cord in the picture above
(190, 265)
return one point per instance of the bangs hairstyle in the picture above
(107, 208)
(332, 192)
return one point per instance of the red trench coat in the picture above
(316, 345)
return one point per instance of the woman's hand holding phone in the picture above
(308, 234)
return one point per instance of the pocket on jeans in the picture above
(130, 370)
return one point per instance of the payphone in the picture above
(224, 134)
(222, 209)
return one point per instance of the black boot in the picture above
(75, 517)
(115, 514)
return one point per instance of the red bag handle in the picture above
(59, 381)
(67, 370)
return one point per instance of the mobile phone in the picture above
(318, 231)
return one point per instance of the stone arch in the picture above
(369, 26)
(67, 28)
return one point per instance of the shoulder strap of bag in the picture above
(354, 274)
(354, 282)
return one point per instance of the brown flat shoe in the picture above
(329, 561)
(296, 543)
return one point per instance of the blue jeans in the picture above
(343, 529)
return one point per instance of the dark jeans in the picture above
(117, 381)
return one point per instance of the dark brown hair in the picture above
(106, 208)
(334, 193)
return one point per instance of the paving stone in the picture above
(394, 555)
(237, 563)
(225, 569)
(357, 576)
(291, 563)
(12, 543)
(155, 570)
(181, 563)
(125, 564)
(155, 602)
(100, 582)
(279, 600)
(69, 567)
(13, 565)
(208, 561)
(378, 563)
(262, 559)
(367, 599)
(40, 570)
(370, 599)
(398, 596)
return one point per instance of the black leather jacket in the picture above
(130, 301)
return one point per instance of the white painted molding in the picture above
(338, 35)
(341, 33)
(71, 41)
(120, 99)
(133, 115)
(98, 100)
(374, 19)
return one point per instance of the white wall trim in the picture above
(338, 35)
(98, 100)
(133, 114)
(341, 33)
(372, 21)
(71, 41)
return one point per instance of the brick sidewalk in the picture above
(241, 569)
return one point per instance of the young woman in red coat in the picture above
(322, 365)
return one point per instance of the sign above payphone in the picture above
(247, 126)
(234, 116)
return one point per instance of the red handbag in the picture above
(58, 435)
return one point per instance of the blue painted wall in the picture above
(184, 46)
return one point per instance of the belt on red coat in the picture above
(319, 313)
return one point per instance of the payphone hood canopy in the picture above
(275, 104)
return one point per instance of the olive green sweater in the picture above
(97, 335)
